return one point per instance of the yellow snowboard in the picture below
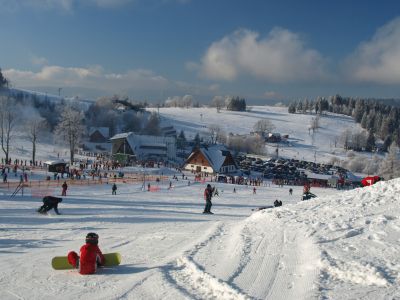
(61, 262)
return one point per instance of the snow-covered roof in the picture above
(215, 155)
(121, 135)
(144, 145)
(55, 162)
(105, 131)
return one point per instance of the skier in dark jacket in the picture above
(64, 189)
(50, 202)
(114, 189)
(207, 196)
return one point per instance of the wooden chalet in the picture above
(99, 134)
(212, 160)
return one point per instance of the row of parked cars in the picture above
(281, 168)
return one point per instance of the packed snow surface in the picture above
(341, 245)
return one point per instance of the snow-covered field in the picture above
(301, 143)
(341, 245)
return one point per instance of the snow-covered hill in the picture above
(320, 147)
(342, 245)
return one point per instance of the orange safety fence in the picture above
(43, 184)
(154, 189)
(42, 192)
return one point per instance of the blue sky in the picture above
(154, 49)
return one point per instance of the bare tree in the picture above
(70, 129)
(264, 125)
(346, 138)
(214, 132)
(248, 144)
(314, 124)
(34, 127)
(8, 121)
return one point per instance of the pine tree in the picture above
(196, 141)
(364, 120)
(358, 111)
(370, 143)
(181, 140)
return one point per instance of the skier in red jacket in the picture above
(90, 258)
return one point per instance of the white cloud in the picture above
(377, 60)
(39, 61)
(92, 77)
(280, 57)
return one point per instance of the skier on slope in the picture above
(90, 256)
(207, 196)
(64, 189)
(114, 189)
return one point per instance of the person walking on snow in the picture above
(114, 189)
(207, 196)
(90, 256)
(64, 189)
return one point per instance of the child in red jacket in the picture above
(90, 256)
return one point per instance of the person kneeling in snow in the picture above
(49, 202)
(90, 256)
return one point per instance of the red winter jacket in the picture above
(370, 180)
(89, 257)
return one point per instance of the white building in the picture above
(144, 147)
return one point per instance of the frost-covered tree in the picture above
(390, 166)
(215, 132)
(264, 125)
(218, 102)
(153, 125)
(187, 101)
(70, 129)
(131, 122)
(248, 144)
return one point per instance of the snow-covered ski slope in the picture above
(320, 147)
(342, 245)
